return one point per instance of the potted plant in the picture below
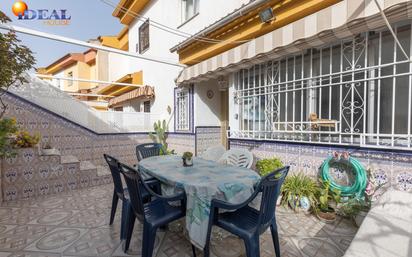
(7, 130)
(356, 208)
(325, 199)
(187, 159)
(47, 149)
(299, 192)
(23, 139)
(266, 166)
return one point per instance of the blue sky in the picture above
(89, 19)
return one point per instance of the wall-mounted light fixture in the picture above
(222, 83)
(267, 15)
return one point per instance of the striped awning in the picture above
(146, 92)
(339, 21)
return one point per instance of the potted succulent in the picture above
(187, 159)
(47, 149)
(325, 199)
(299, 192)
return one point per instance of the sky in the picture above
(89, 19)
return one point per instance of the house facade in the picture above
(317, 77)
(154, 28)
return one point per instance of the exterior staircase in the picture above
(31, 174)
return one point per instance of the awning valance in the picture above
(339, 21)
(141, 92)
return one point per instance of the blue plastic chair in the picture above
(147, 150)
(122, 193)
(152, 215)
(118, 193)
(247, 222)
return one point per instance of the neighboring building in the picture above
(103, 66)
(84, 65)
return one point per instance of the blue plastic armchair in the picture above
(152, 215)
(147, 150)
(247, 222)
(118, 193)
(122, 193)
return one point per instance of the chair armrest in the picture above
(170, 198)
(151, 181)
(154, 184)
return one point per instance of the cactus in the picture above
(160, 136)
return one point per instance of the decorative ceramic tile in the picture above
(76, 224)
(57, 240)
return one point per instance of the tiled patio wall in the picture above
(392, 168)
(72, 139)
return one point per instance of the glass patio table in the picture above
(202, 182)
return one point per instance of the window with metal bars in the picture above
(182, 109)
(144, 37)
(353, 92)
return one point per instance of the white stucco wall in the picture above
(233, 107)
(119, 66)
(57, 82)
(207, 110)
(162, 76)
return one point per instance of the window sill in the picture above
(188, 20)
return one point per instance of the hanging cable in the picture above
(391, 29)
(169, 29)
(83, 43)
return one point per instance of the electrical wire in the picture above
(170, 29)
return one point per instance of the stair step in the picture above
(68, 159)
(86, 165)
(103, 171)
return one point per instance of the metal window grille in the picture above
(182, 109)
(144, 37)
(354, 92)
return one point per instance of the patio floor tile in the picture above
(76, 224)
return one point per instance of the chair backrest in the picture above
(114, 170)
(270, 186)
(238, 157)
(147, 150)
(134, 184)
(213, 153)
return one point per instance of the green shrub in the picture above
(7, 129)
(266, 166)
(326, 197)
(297, 186)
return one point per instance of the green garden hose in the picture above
(357, 189)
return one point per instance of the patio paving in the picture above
(76, 224)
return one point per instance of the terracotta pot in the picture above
(327, 216)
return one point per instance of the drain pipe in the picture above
(240, 12)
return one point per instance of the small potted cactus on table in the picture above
(187, 159)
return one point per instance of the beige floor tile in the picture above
(76, 224)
